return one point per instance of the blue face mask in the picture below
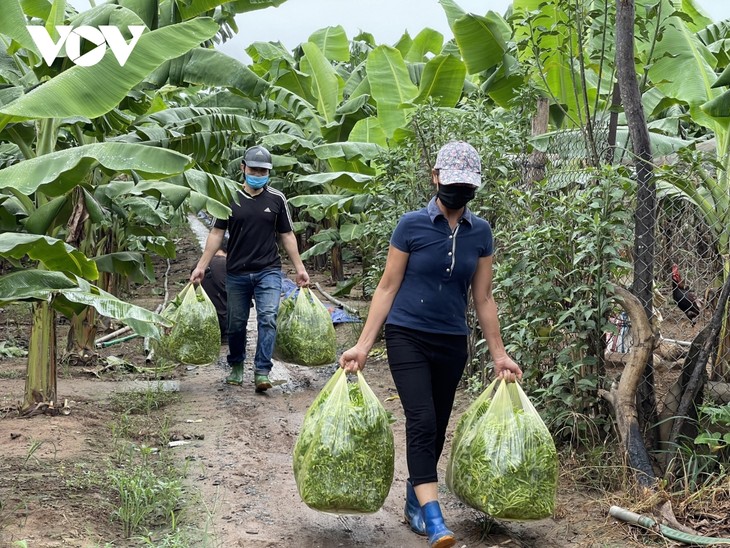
(257, 182)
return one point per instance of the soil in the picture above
(238, 459)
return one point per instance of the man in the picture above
(253, 264)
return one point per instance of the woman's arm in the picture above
(395, 267)
(486, 308)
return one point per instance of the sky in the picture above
(295, 20)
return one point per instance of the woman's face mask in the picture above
(257, 182)
(455, 196)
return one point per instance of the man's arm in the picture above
(289, 241)
(212, 244)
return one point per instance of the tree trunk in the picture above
(338, 268)
(623, 397)
(674, 397)
(610, 153)
(40, 381)
(623, 400)
(721, 368)
(82, 332)
(696, 377)
(81, 338)
(537, 160)
(645, 216)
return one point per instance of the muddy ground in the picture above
(238, 459)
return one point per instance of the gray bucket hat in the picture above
(258, 156)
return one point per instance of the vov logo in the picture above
(105, 35)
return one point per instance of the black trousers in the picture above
(426, 369)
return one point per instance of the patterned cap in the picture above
(458, 163)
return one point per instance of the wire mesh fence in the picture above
(682, 272)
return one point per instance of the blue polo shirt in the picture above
(441, 264)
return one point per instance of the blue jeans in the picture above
(264, 288)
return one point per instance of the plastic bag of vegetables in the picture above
(195, 335)
(304, 332)
(344, 455)
(503, 460)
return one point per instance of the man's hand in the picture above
(197, 275)
(507, 369)
(302, 278)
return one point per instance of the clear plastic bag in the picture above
(344, 455)
(195, 335)
(503, 459)
(304, 332)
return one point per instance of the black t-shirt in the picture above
(252, 229)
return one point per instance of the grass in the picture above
(600, 468)
(16, 312)
(138, 485)
(148, 488)
(148, 494)
(144, 402)
(9, 374)
(699, 495)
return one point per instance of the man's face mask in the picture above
(455, 196)
(257, 182)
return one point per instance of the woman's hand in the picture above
(505, 368)
(353, 360)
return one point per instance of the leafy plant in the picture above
(503, 460)
(305, 334)
(144, 497)
(9, 350)
(344, 454)
(557, 263)
(717, 438)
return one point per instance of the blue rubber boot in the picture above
(439, 536)
(412, 512)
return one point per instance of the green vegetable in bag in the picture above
(503, 460)
(344, 456)
(195, 335)
(304, 332)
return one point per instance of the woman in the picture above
(435, 255)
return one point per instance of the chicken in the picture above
(686, 300)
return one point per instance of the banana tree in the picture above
(335, 105)
(340, 207)
(52, 176)
(62, 107)
(59, 284)
(689, 77)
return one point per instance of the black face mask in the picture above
(455, 196)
